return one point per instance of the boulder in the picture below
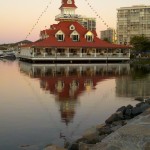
(129, 107)
(114, 117)
(144, 106)
(116, 127)
(147, 101)
(74, 146)
(141, 99)
(105, 130)
(91, 136)
(121, 109)
(139, 104)
(136, 111)
(83, 146)
(128, 112)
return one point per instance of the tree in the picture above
(107, 40)
(140, 43)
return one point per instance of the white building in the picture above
(108, 34)
(132, 21)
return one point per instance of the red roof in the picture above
(65, 4)
(64, 26)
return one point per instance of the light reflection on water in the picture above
(45, 104)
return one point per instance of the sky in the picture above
(17, 17)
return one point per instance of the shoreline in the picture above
(119, 131)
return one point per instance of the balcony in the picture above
(67, 17)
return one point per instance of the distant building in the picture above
(132, 21)
(109, 35)
(88, 23)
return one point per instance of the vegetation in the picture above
(107, 40)
(140, 43)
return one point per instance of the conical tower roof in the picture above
(68, 3)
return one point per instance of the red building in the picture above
(70, 41)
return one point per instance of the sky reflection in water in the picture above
(50, 104)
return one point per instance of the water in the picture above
(51, 104)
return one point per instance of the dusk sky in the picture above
(19, 16)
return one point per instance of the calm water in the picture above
(51, 104)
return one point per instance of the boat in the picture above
(7, 54)
(1, 54)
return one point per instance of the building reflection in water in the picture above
(137, 84)
(67, 82)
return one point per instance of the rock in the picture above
(141, 99)
(114, 117)
(121, 122)
(136, 111)
(129, 107)
(53, 147)
(144, 106)
(139, 104)
(100, 126)
(105, 130)
(83, 140)
(121, 109)
(147, 101)
(128, 112)
(83, 146)
(74, 146)
(91, 136)
(111, 119)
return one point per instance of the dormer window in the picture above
(75, 36)
(89, 36)
(60, 36)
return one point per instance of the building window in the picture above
(60, 37)
(75, 37)
(72, 27)
(89, 38)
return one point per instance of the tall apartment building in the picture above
(88, 23)
(132, 21)
(108, 34)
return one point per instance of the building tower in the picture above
(67, 9)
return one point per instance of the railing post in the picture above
(80, 52)
(68, 54)
(95, 53)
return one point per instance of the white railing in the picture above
(78, 55)
(67, 16)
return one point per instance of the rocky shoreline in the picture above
(97, 134)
